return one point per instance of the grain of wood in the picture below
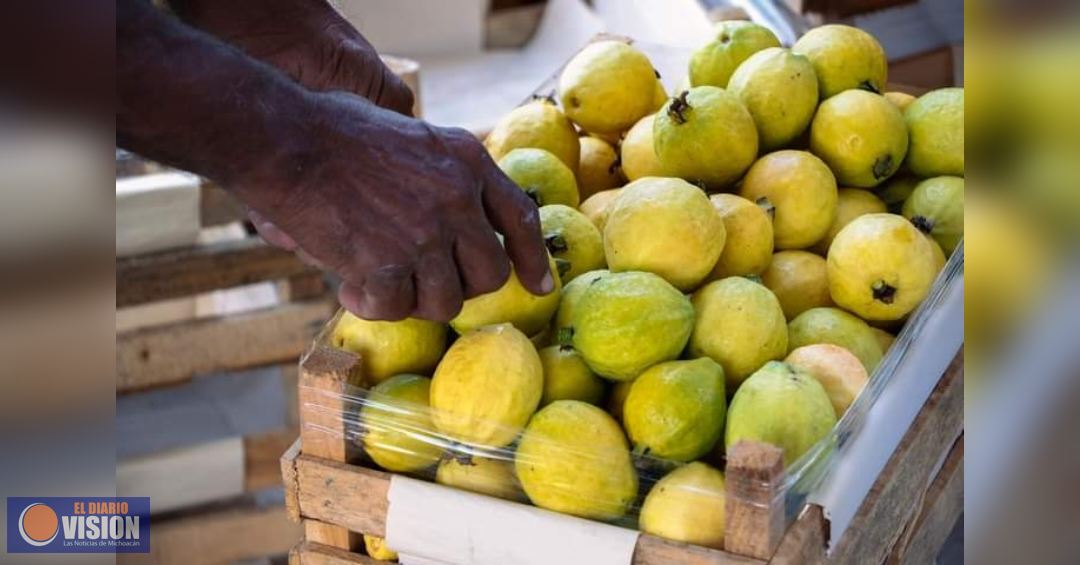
(220, 537)
(310, 553)
(892, 500)
(754, 507)
(262, 454)
(805, 541)
(345, 495)
(653, 550)
(942, 506)
(289, 481)
(201, 268)
(174, 353)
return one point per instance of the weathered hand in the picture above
(306, 39)
(402, 210)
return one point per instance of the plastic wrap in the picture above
(582, 472)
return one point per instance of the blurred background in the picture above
(198, 402)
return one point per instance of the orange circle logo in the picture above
(38, 524)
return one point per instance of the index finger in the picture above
(515, 215)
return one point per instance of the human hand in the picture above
(404, 212)
(306, 39)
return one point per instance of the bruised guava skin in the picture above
(675, 410)
(880, 267)
(782, 406)
(861, 136)
(835, 326)
(628, 322)
(574, 458)
(687, 505)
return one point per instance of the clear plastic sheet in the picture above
(386, 429)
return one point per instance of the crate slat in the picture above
(174, 353)
(895, 498)
(201, 268)
(940, 510)
(311, 553)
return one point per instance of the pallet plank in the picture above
(175, 353)
(941, 509)
(220, 537)
(804, 542)
(312, 553)
(201, 268)
(894, 499)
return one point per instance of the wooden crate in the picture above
(904, 518)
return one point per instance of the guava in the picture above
(411, 345)
(799, 281)
(617, 399)
(899, 99)
(675, 410)
(542, 176)
(599, 167)
(895, 191)
(595, 207)
(835, 326)
(627, 322)
(801, 192)
(880, 267)
(734, 42)
(538, 124)
(573, 458)
(884, 339)
(607, 87)
(936, 207)
(936, 123)
(838, 370)
(740, 325)
(484, 475)
(571, 295)
(512, 303)
(780, 90)
(782, 406)
(376, 549)
(705, 135)
(396, 426)
(567, 377)
(572, 240)
(844, 57)
(748, 246)
(861, 135)
(687, 505)
(638, 156)
(487, 386)
(660, 95)
(850, 204)
(665, 226)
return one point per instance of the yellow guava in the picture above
(748, 246)
(734, 42)
(844, 57)
(572, 240)
(396, 426)
(780, 90)
(567, 377)
(861, 135)
(835, 326)
(411, 345)
(800, 190)
(538, 124)
(607, 87)
(687, 505)
(675, 410)
(799, 281)
(542, 176)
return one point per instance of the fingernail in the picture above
(548, 284)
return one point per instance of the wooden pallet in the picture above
(901, 520)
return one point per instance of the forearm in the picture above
(189, 100)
